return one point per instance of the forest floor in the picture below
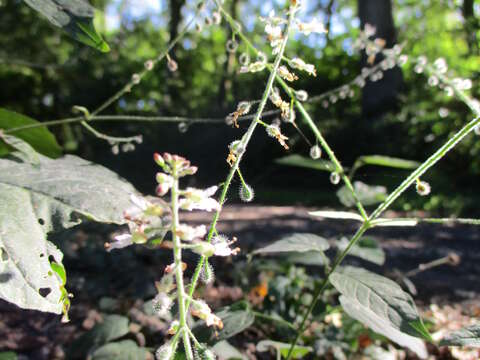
(448, 294)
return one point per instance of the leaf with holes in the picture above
(469, 336)
(297, 243)
(73, 16)
(382, 305)
(36, 199)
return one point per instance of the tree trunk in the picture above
(380, 96)
(472, 25)
(226, 82)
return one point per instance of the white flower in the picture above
(201, 310)
(298, 63)
(188, 233)
(121, 241)
(162, 304)
(423, 188)
(314, 26)
(197, 199)
(222, 246)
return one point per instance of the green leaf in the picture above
(39, 138)
(367, 194)
(8, 355)
(121, 350)
(236, 318)
(301, 161)
(73, 16)
(313, 258)
(337, 215)
(387, 161)
(26, 151)
(298, 351)
(298, 242)
(226, 351)
(38, 199)
(469, 336)
(382, 305)
(112, 327)
(366, 248)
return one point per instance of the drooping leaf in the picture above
(382, 305)
(297, 242)
(312, 258)
(39, 138)
(121, 350)
(226, 351)
(112, 327)
(27, 152)
(298, 351)
(387, 161)
(367, 194)
(73, 16)
(366, 248)
(469, 336)
(38, 199)
(301, 161)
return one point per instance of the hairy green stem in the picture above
(319, 289)
(305, 115)
(431, 161)
(244, 143)
(177, 255)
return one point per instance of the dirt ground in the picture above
(95, 275)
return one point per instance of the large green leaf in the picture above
(39, 138)
(121, 350)
(366, 248)
(36, 199)
(301, 161)
(73, 16)
(469, 336)
(226, 351)
(297, 242)
(367, 194)
(112, 327)
(299, 352)
(382, 305)
(387, 161)
(236, 318)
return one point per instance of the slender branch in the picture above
(274, 319)
(305, 115)
(135, 118)
(244, 143)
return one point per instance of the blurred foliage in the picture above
(44, 73)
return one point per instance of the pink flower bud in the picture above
(158, 159)
(162, 189)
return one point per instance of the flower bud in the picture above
(315, 152)
(158, 159)
(162, 189)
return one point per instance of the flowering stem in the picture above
(431, 161)
(244, 142)
(305, 115)
(177, 255)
